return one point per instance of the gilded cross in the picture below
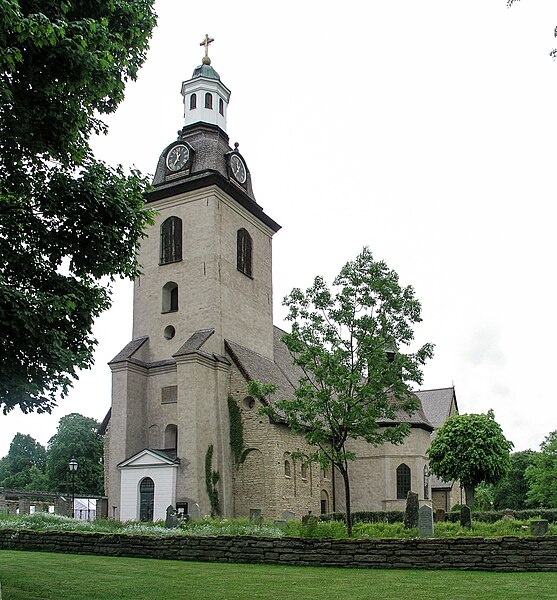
(206, 43)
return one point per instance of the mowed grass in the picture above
(45, 576)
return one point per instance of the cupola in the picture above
(205, 96)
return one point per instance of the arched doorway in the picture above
(146, 499)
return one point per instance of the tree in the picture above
(542, 474)
(472, 449)
(343, 340)
(76, 437)
(553, 52)
(511, 491)
(66, 219)
(23, 467)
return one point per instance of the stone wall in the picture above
(472, 554)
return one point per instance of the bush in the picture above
(492, 516)
(389, 516)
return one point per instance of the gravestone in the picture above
(508, 514)
(440, 516)
(466, 517)
(255, 516)
(412, 510)
(425, 521)
(539, 527)
(194, 511)
(287, 515)
(171, 520)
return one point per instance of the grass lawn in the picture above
(45, 576)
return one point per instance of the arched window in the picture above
(170, 297)
(209, 100)
(304, 470)
(426, 482)
(402, 481)
(171, 240)
(324, 502)
(171, 438)
(287, 469)
(193, 101)
(221, 107)
(243, 249)
(146, 499)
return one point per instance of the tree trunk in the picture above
(469, 490)
(344, 472)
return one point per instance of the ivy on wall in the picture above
(211, 480)
(236, 431)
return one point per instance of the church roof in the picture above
(205, 71)
(438, 404)
(286, 375)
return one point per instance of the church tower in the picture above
(206, 281)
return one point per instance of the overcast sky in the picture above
(424, 130)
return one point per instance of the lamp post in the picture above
(73, 469)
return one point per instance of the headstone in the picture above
(465, 516)
(440, 516)
(171, 520)
(508, 514)
(255, 516)
(194, 511)
(539, 527)
(411, 511)
(306, 518)
(425, 521)
(287, 515)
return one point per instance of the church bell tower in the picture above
(206, 280)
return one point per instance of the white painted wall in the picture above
(164, 477)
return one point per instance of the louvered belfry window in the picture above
(171, 240)
(244, 248)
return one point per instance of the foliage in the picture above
(542, 474)
(23, 467)
(76, 437)
(66, 219)
(353, 385)
(412, 510)
(483, 496)
(492, 516)
(211, 480)
(472, 449)
(511, 491)
(388, 516)
(208, 526)
(236, 430)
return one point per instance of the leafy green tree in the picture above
(76, 437)
(511, 491)
(66, 219)
(23, 467)
(541, 475)
(472, 449)
(343, 340)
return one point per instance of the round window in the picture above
(169, 332)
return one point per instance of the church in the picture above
(182, 429)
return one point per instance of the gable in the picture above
(148, 458)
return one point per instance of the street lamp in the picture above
(73, 469)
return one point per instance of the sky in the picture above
(424, 130)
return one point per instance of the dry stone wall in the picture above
(473, 554)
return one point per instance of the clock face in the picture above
(177, 158)
(238, 168)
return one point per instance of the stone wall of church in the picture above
(212, 293)
(263, 482)
(373, 478)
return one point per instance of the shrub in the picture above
(390, 516)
